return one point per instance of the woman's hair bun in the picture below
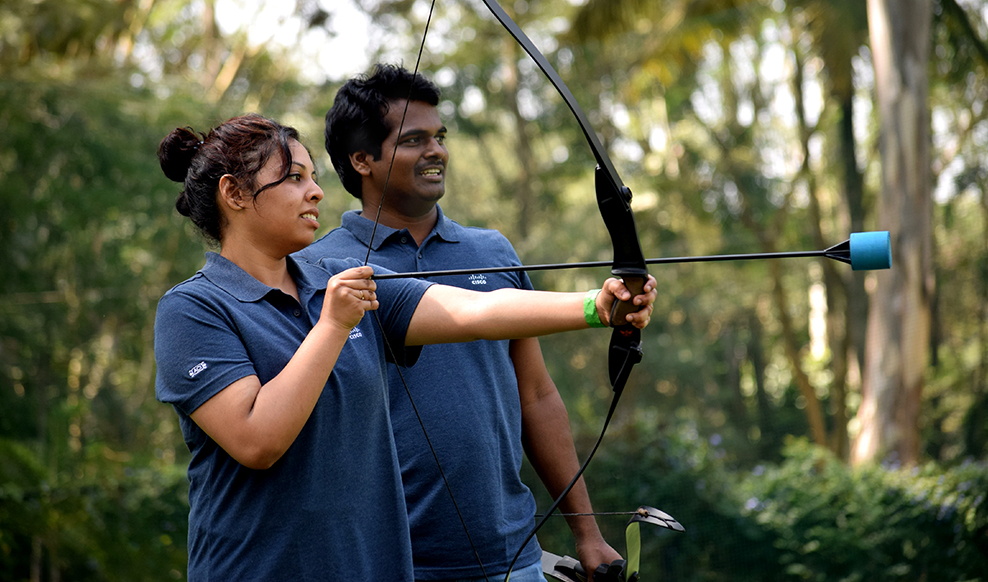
(182, 204)
(176, 151)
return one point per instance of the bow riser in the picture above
(614, 202)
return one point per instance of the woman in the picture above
(279, 379)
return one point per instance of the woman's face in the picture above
(285, 217)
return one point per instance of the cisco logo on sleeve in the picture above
(196, 369)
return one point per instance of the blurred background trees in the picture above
(741, 126)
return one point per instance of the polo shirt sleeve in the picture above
(397, 298)
(510, 257)
(191, 372)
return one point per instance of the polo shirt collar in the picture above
(445, 228)
(362, 228)
(226, 275)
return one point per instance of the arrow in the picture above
(864, 251)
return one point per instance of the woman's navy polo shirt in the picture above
(332, 507)
(474, 382)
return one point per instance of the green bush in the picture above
(831, 522)
(122, 522)
(810, 517)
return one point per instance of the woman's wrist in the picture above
(590, 313)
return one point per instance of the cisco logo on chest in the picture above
(355, 333)
(477, 280)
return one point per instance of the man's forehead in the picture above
(421, 111)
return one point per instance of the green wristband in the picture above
(590, 309)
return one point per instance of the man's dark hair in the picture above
(356, 120)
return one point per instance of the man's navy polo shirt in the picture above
(467, 394)
(332, 507)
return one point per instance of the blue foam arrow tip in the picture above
(871, 250)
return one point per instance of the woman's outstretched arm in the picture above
(450, 314)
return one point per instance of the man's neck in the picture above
(418, 226)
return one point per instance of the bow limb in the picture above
(614, 202)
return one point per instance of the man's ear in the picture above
(361, 162)
(230, 194)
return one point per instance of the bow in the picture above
(614, 202)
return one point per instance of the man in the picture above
(482, 402)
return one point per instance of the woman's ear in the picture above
(230, 194)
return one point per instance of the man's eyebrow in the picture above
(413, 132)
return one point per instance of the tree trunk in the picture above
(766, 424)
(899, 318)
(522, 193)
(814, 412)
(857, 297)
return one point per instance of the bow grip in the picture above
(635, 282)
(614, 202)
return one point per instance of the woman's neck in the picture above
(266, 268)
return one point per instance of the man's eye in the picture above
(441, 139)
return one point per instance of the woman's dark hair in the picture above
(356, 120)
(239, 147)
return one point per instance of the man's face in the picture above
(418, 175)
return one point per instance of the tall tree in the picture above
(900, 318)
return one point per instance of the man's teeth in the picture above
(431, 172)
(309, 215)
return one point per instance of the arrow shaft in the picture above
(591, 264)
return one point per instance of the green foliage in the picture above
(808, 517)
(829, 522)
(90, 240)
(91, 466)
(116, 521)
